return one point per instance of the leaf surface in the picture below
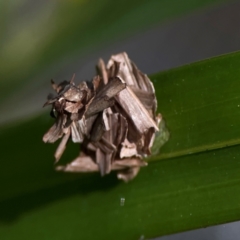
(185, 187)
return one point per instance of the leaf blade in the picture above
(168, 196)
(201, 105)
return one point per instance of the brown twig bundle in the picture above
(113, 117)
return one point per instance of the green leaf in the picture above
(201, 105)
(184, 191)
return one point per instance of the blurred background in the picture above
(41, 40)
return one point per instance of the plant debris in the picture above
(113, 118)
